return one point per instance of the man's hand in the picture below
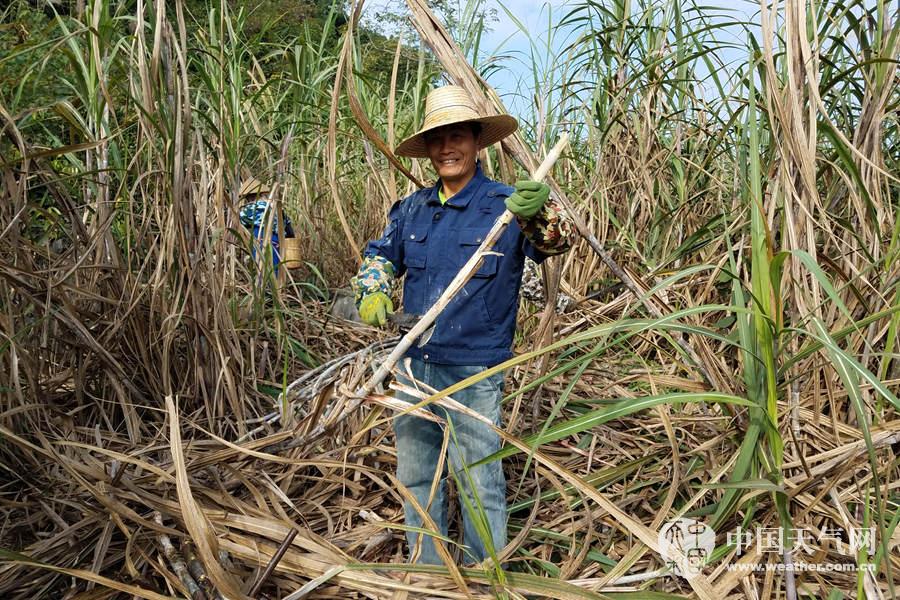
(528, 198)
(375, 308)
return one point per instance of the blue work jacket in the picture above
(430, 243)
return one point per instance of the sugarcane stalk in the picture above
(178, 565)
(455, 286)
(195, 566)
(276, 558)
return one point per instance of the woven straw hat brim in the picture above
(493, 129)
(253, 187)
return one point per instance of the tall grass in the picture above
(755, 202)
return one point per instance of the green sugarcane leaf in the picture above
(621, 409)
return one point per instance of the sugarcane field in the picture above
(460, 299)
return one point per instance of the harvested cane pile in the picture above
(183, 510)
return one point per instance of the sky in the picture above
(506, 45)
(510, 45)
(537, 18)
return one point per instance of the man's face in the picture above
(453, 150)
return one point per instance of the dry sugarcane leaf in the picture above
(201, 530)
(15, 557)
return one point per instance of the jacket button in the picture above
(478, 240)
(412, 237)
(425, 357)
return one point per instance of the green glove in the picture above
(528, 198)
(375, 308)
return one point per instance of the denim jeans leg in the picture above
(419, 445)
(471, 441)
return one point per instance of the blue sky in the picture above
(508, 47)
(507, 37)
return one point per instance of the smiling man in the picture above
(429, 237)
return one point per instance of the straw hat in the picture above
(449, 105)
(253, 187)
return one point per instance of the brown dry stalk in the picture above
(331, 154)
(177, 561)
(386, 148)
(202, 532)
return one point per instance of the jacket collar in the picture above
(462, 198)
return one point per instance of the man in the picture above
(254, 214)
(429, 237)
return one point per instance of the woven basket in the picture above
(292, 253)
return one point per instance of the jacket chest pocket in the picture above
(415, 250)
(470, 238)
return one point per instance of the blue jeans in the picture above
(419, 445)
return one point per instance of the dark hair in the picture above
(474, 127)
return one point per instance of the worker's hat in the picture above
(253, 187)
(450, 105)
